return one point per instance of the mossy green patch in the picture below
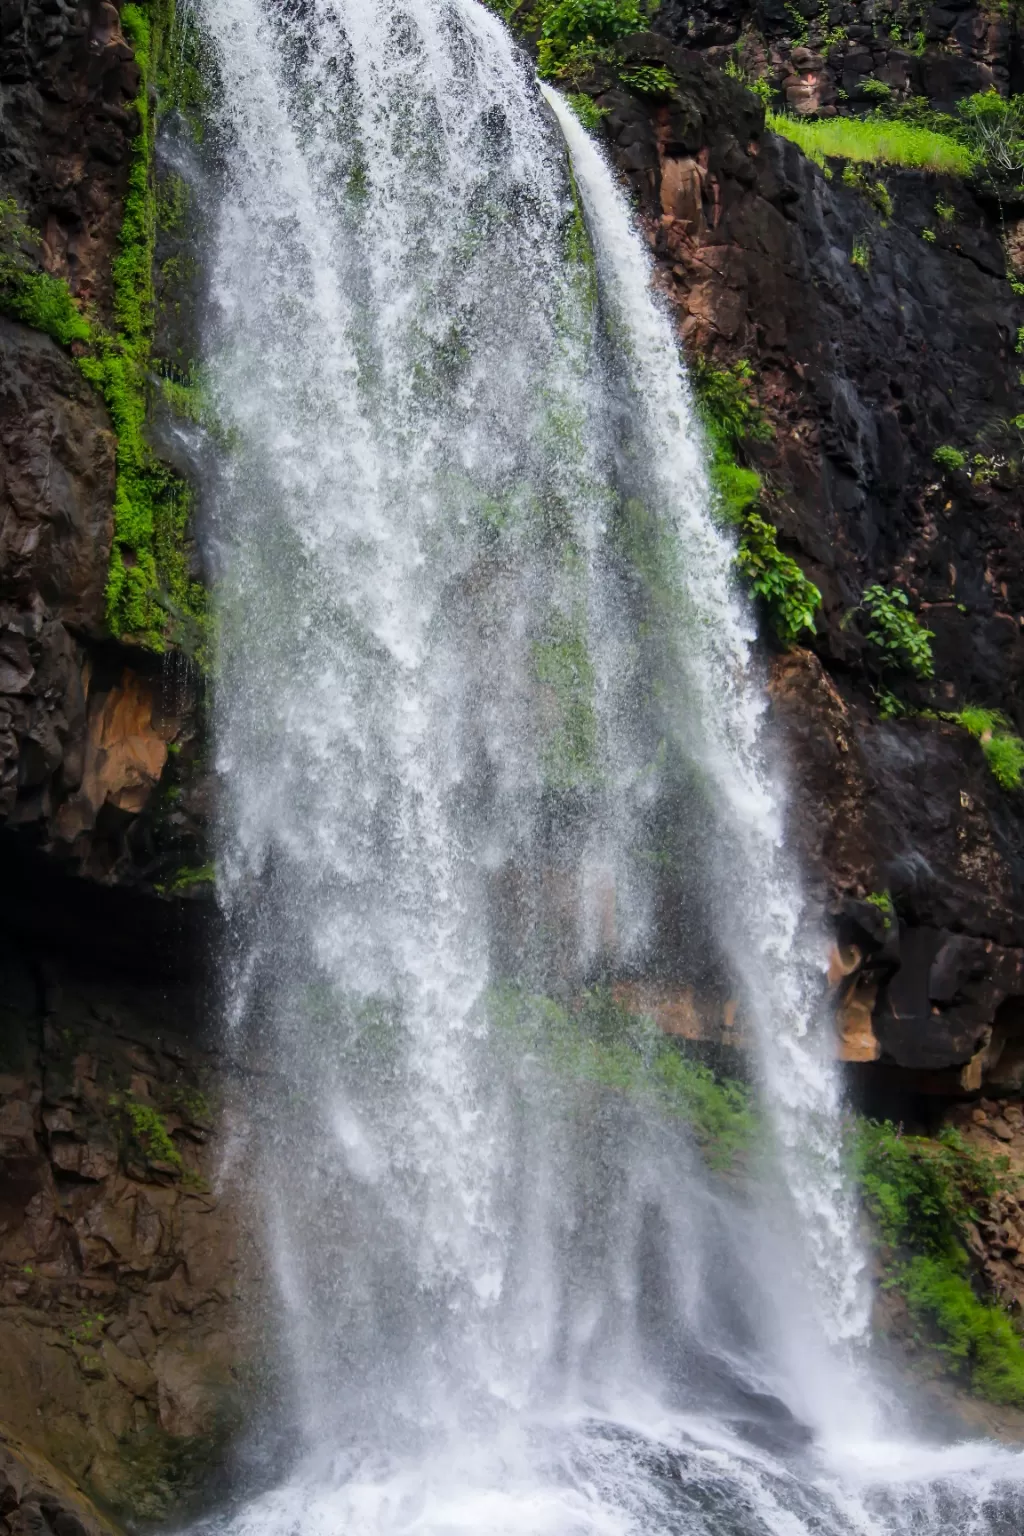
(921, 1193)
(597, 1040)
(730, 416)
(145, 1130)
(151, 597)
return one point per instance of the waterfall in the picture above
(489, 736)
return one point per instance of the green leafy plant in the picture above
(145, 1127)
(758, 84)
(902, 641)
(929, 235)
(791, 598)
(573, 33)
(649, 80)
(1003, 748)
(876, 89)
(993, 126)
(883, 901)
(947, 457)
(860, 256)
(1018, 345)
(27, 294)
(730, 416)
(921, 1194)
(944, 212)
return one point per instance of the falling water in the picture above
(489, 735)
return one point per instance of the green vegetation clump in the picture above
(730, 415)
(876, 192)
(791, 599)
(151, 595)
(587, 110)
(903, 643)
(649, 80)
(860, 256)
(147, 1129)
(883, 901)
(598, 1040)
(577, 34)
(1003, 749)
(947, 457)
(876, 140)
(921, 1195)
(33, 297)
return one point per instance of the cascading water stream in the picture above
(484, 675)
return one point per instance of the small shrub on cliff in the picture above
(791, 598)
(902, 641)
(993, 126)
(731, 415)
(947, 457)
(649, 80)
(921, 1195)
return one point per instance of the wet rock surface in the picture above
(125, 1357)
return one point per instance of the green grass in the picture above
(875, 141)
(1003, 749)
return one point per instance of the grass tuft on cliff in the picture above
(922, 1194)
(875, 141)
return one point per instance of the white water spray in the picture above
(484, 678)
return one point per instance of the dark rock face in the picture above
(68, 79)
(36, 1500)
(121, 1336)
(88, 730)
(833, 59)
(863, 373)
(98, 742)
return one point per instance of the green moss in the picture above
(875, 140)
(187, 877)
(587, 110)
(146, 1129)
(599, 1041)
(921, 1193)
